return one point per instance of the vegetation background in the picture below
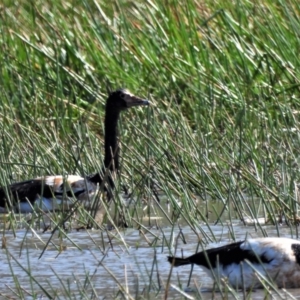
(223, 77)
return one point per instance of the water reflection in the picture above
(108, 262)
(97, 264)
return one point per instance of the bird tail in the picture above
(178, 261)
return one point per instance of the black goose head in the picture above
(122, 99)
(117, 101)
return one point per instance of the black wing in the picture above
(225, 255)
(24, 191)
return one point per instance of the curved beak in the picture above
(132, 100)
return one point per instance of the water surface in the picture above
(97, 264)
(107, 262)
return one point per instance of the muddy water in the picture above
(98, 265)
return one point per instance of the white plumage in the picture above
(49, 192)
(274, 258)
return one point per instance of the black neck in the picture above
(296, 250)
(111, 147)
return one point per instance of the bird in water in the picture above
(50, 192)
(274, 258)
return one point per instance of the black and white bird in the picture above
(274, 258)
(49, 192)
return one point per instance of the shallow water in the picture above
(103, 263)
(96, 264)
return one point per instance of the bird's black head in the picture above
(122, 99)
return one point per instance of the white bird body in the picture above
(277, 259)
(65, 191)
(51, 192)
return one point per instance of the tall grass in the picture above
(223, 81)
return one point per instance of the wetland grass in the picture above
(221, 143)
